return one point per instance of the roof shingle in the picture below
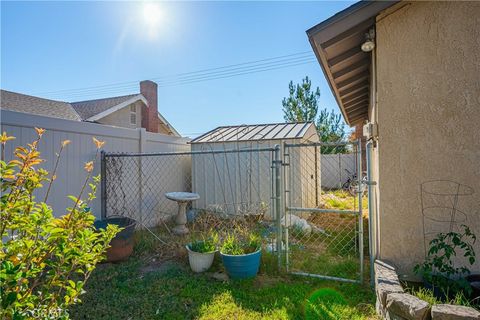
(28, 104)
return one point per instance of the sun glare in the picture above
(152, 16)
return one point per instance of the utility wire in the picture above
(119, 91)
(188, 76)
(195, 77)
(221, 75)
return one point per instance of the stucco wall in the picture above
(428, 82)
(121, 118)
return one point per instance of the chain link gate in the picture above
(323, 222)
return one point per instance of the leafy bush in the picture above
(240, 242)
(45, 261)
(439, 269)
(206, 244)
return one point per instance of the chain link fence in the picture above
(236, 192)
(324, 219)
(307, 199)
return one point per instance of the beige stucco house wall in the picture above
(427, 108)
(162, 128)
(121, 118)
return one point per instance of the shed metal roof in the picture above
(256, 132)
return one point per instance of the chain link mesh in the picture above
(323, 242)
(235, 189)
(237, 192)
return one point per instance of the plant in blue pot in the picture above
(241, 252)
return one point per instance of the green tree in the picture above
(331, 128)
(302, 105)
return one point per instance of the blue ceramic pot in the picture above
(242, 266)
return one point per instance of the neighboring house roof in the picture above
(271, 131)
(28, 104)
(90, 108)
(168, 125)
(337, 44)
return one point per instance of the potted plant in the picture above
(240, 254)
(439, 271)
(202, 251)
(121, 247)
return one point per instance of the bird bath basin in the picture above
(182, 199)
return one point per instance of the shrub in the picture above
(45, 261)
(439, 268)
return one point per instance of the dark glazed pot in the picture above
(121, 247)
(474, 280)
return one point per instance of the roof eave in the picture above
(165, 121)
(328, 76)
(117, 107)
(333, 30)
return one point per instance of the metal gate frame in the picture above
(290, 209)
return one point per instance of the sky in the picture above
(74, 51)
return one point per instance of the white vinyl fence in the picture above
(70, 172)
(336, 169)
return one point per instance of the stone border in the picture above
(395, 304)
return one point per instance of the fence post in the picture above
(103, 185)
(316, 175)
(141, 149)
(360, 213)
(278, 203)
(371, 243)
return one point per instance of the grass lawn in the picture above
(142, 289)
(156, 282)
(342, 200)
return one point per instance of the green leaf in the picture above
(10, 298)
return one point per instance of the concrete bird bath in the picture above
(182, 199)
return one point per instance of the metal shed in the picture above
(242, 181)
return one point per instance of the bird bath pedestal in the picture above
(182, 199)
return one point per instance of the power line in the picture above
(221, 75)
(196, 81)
(74, 96)
(193, 77)
(186, 75)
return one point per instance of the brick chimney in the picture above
(149, 114)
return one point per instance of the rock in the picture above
(453, 312)
(272, 246)
(220, 276)
(297, 222)
(394, 317)
(386, 282)
(407, 306)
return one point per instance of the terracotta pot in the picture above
(121, 247)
